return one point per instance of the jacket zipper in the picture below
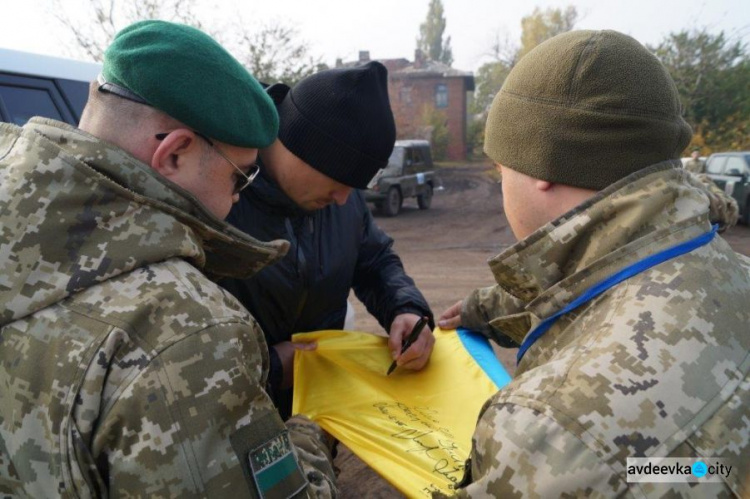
(300, 266)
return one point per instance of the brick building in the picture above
(417, 89)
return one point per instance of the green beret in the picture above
(186, 74)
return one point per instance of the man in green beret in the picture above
(629, 311)
(124, 369)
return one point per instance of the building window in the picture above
(405, 95)
(441, 95)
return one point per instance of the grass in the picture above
(489, 169)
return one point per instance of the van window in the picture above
(22, 97)
(76, 93)
(22, 104)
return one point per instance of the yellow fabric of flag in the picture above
(413, 428)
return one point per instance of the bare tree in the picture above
(503, 49)
(272, 52)
(102, 19)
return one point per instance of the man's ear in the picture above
(169, 156)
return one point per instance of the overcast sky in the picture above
(389, 28)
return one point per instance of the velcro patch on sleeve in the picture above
(268, 460)
(275, 467)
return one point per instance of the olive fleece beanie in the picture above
(586, 108)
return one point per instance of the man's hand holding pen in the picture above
(415, 353)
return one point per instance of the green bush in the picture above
(435, 123)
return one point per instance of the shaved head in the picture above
(122, 122)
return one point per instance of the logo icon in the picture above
(699, 469)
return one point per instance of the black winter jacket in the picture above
(332, 251)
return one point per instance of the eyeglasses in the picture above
(242, 180)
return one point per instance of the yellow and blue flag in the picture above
(413, 428)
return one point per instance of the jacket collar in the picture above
(648, 211)
(81, 211)
(266, 192)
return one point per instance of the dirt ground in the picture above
(445, 250)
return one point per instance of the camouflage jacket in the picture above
(123, 369)
(657, 366)
(695, 166)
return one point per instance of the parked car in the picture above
(40, 85)
(409, 174)
(731, 172)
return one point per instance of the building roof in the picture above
(433, 68)
(421, 67)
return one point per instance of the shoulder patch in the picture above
(274, 464)
(270, 466)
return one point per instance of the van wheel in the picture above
(424, 200)
(392, 203)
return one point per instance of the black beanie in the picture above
(586, 108)
(339, 121)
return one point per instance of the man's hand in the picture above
(285, 351)
(416, 357)
(451, 318)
